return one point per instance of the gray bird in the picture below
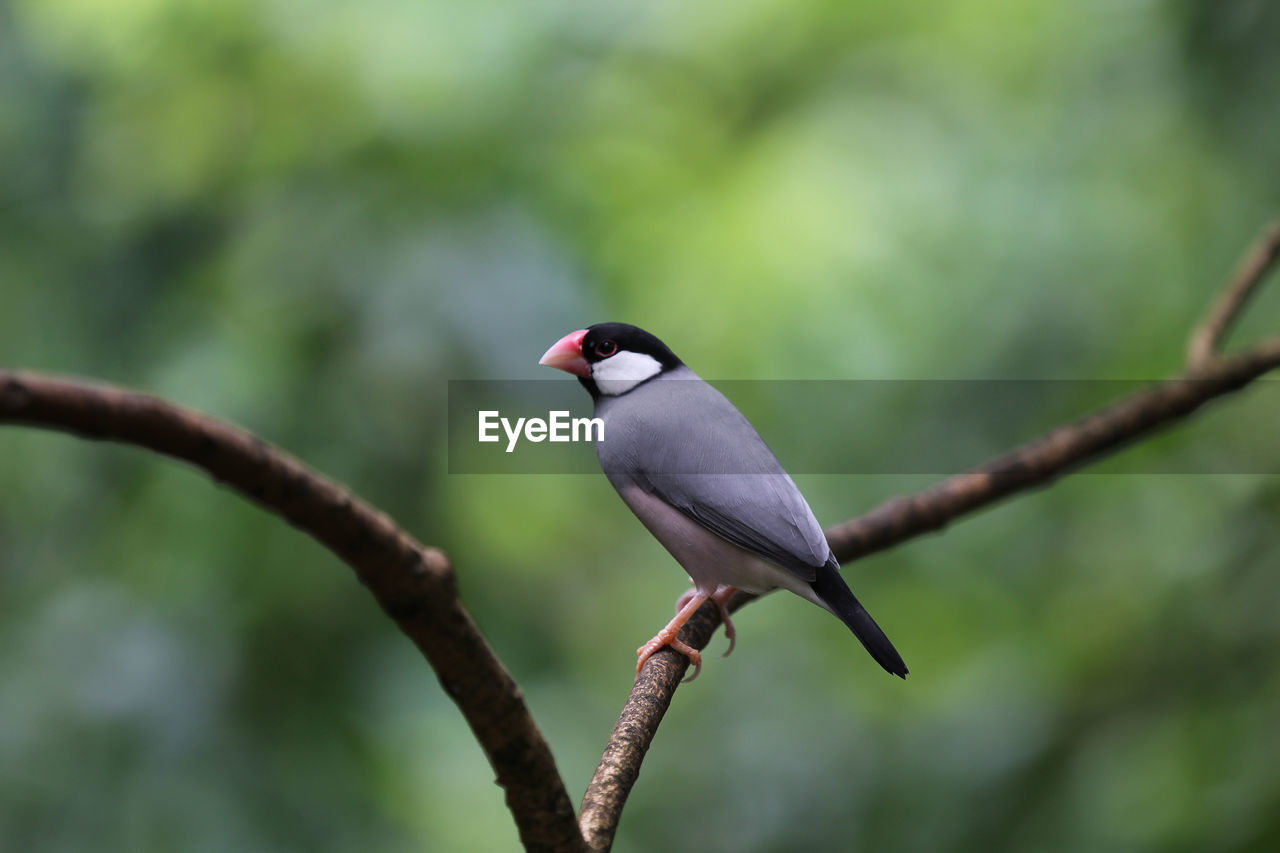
(702, 480)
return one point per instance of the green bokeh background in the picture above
(307, 217)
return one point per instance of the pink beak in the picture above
(566, 354)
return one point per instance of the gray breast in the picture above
(680, 440)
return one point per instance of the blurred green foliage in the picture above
(306, 217)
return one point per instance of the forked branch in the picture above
(1206, 339)
(1037, 463)
(416, 586)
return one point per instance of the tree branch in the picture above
(1207, 337)
(415, 585)
(417, 588)
(1034, 464)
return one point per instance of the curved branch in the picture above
(415, 585)
(1034, 464)
(417, 588)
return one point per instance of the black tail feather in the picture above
(832, 589)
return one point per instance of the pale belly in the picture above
(711, 561)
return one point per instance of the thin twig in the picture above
(1206, 338)
(1034, 464)
(1039, 462)
(415, 585)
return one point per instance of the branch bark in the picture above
(1037, 463)
(1206, 339)
(417, 588)
(414, 584)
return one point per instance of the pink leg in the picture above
(721, 598)
(667, 636)
(686, 598)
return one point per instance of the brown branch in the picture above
(636, 727)
(1039, 462)
(1207, 337)
(417, 588)
(415, 585)
(1036, 463)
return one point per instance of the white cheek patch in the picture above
(623, 371)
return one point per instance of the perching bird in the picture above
(700, 478)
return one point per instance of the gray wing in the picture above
(759, 513)
(682, 441)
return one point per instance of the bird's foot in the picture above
(689, 604)
(646, 651)
(721, 598)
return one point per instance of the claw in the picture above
(686, 606)
(667, 636)
(721, 598)
(648, 649)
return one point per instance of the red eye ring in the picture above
(606, 348)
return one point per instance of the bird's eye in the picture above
(604, 349)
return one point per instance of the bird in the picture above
(700, 478)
